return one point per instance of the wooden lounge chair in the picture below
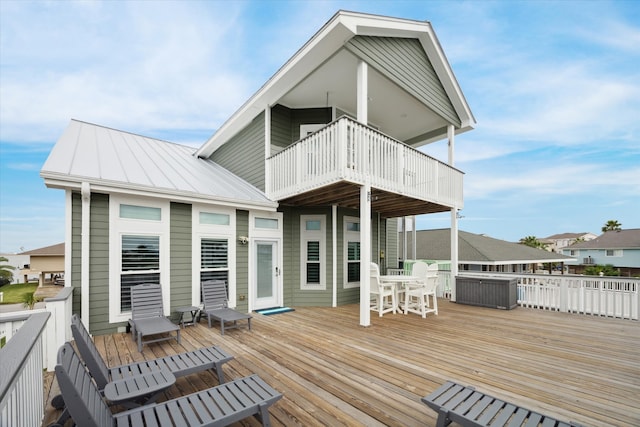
(179, 365)
(218, 406)
(216, 306)
(470, 408)
(147, 315)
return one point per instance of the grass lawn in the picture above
(14, 294)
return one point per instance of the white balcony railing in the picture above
(346, 150)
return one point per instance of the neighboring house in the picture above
(18, 262)
(477, 252)
(46, 263)
(557, 242)
(618, 248)
(292, 194)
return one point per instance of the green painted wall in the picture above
(99, 266)
(242, 262)
(76, 248)
(285, 122)
(180, 254)
(249, 165)
(404, 62)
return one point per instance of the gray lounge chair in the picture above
(147, 315)
(216, 306)
(179, 365)
(218, 406)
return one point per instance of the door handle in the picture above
(277, 271)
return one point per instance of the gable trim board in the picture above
(332, 37)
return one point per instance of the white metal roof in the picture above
(115, 161)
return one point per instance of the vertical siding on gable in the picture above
(404, 62)
(242, 261)
(243, 154)
(99, 266)
(180, 254)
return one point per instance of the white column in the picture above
(365, 253)
(454, 220)
(85, 192)
(267, 149)
(414, 237)
(362, 92)
(68, 237)
(334, 253)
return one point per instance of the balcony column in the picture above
(365, 253)
(362, 92)
(454, 220)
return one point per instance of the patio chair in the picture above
(179, 365)
(147, 315)
(417, 294)
(217, 406)
(216, 306)
(381, 292)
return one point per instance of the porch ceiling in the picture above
(347, 195)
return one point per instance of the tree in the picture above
(533, 242)
(606, 270)
(6, 273)
(612, 225)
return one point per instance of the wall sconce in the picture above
(243, 240)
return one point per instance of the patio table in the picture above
(128, 391)
(398, 280)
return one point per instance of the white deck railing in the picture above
(33, 339)
(346, 150)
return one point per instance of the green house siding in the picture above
(76, 250)
(285, 123)
(293, 293)
(404, 62)
(242, 262)
(99, 266)
(180, 254)
(244, 153)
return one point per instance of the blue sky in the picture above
(554, 86)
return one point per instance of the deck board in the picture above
(333, 372)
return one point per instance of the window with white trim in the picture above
(138, 250)
(352, 252)
(312, 251)
(214, 259)
(613, 252)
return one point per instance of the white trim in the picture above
(264, 234)
(85, 264)
(68, 237)
(211, 231)
(349, 236)
(124, 226)
(334, 254)
(321, 237)
(365, 253)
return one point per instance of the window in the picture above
(613, 252)
(269, 223)
(352, 252)
(139, 234)
(140, 264)
(312, 252)
(214, 259)
(214, 218)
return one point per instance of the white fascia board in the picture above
(325, 43)
(516, 261)
(173, 195)
(431, 45)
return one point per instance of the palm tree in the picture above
(6, 275)
(612, 225)
(532, 241)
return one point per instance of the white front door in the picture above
(267, 275)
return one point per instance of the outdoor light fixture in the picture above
(243, 240)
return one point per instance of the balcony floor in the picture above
(334, 372)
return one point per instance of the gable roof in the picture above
(479, 249)
(565, 236)
(621, 239)
(323, 46)
(53, 250)
(114, 161)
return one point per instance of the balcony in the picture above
(329, 166)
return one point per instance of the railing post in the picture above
(564, 295)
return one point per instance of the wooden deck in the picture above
(334, 372)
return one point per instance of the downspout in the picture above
(85, 192)
(68, 238)
(454, 219)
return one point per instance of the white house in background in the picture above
(289, 200)
(557, 242)
(18, 262)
